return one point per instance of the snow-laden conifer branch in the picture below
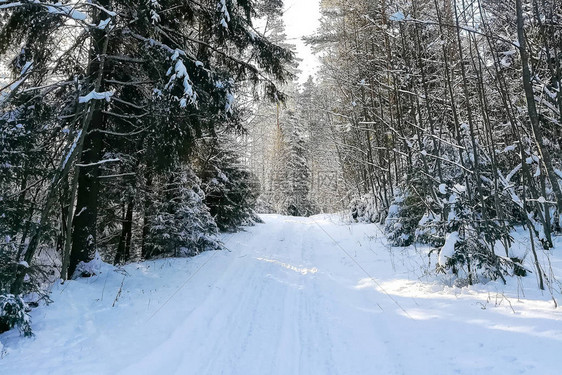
(100, 162)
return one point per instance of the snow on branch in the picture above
(448, 249)
(107, 11)
(512, 173)
(175, 52)
(398, 16)
(9, 5)
(179, 71)
(67, 10)
(93, 95)
(99, 163)
(71, 151)
(229, 102)
(154, 7)
(103, 24)
(15, 84)
(547, 104)
(225, 13)
(129, 174)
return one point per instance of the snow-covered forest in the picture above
(421, 161)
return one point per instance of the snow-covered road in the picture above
(292, 296)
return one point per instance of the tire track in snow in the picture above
(310, 319)
(265, 314)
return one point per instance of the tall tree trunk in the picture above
(124, 248)
(145, 251)
(531, 106)
(85, 219)
(86, 213)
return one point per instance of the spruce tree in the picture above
(231, 190)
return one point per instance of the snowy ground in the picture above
(288, 300)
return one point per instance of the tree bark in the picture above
(86, 213)
(124, 248)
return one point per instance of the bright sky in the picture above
(301, 19)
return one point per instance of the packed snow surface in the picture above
(291, 296)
